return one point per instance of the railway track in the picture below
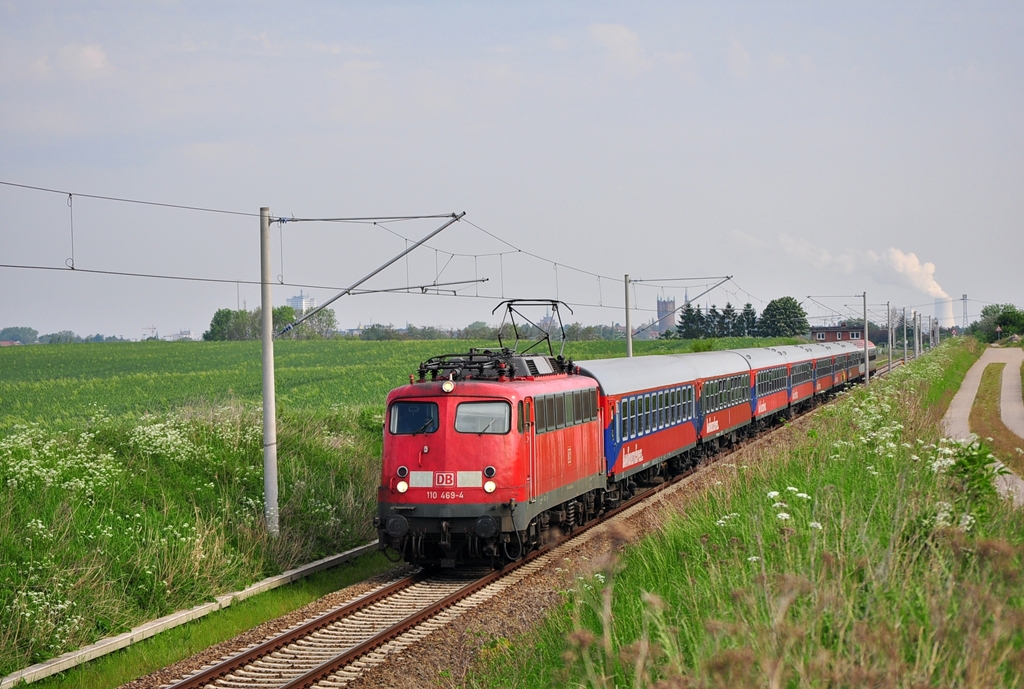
(337, 647)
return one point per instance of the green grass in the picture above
(182, 642)
(944, 380)
(62, 385)
(131, 473)
(865, 552)
(127, 520)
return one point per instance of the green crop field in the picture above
(58, 385)
(131, 475)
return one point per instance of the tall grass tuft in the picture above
(868, 551)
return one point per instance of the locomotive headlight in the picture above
(447, 386)
(489, 486)
(402, 486)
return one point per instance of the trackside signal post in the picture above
(270, 512)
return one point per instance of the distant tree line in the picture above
(26, 335)
(783, 317)
(1005, 316)
(228, 324)
(478, 330)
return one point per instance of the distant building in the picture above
(837, 333)
(181, 335)
(666, 311)
(302, 303)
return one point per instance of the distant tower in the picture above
(666, 308)
(302, 303)
(965, 312)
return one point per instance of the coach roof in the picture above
(626, 375)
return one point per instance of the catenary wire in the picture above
(388, 218)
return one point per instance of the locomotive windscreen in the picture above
(409, 418)
(483, 417)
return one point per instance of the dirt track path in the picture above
(1011, 407)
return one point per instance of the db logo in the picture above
(444, 478)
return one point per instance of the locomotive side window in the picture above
(549, 406)
(647, 414)
(493, 418)
(410, 418)
(568, 403)
(519, 416)
(632, 417)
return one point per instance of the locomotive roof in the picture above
(624, 375)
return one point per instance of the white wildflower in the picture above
(783, 516)
(791, 489)
(753, 558)
(805, 496)
(966, 521)
(815, 525)
(773, 494)
(779, 504)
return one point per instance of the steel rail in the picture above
(212, 674)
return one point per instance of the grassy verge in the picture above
(867, 552)
(945, 375)
(129, 520)
(987, 423)
(182, 642)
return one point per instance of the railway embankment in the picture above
(861, 548)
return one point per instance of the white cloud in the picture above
(778, 62)
(682, 63)
(622, 44)
(557, 43)
(738, 59)
(816, 256)
(40, 68)
(84, 61)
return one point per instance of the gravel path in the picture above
(1011, 408)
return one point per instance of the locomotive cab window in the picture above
(409, 418)
(492, 418)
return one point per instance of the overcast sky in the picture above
(804, 148)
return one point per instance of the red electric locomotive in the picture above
(488, 453)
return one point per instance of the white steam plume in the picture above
(891, 266)
(920, 276)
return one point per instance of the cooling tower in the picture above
(944, 312)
